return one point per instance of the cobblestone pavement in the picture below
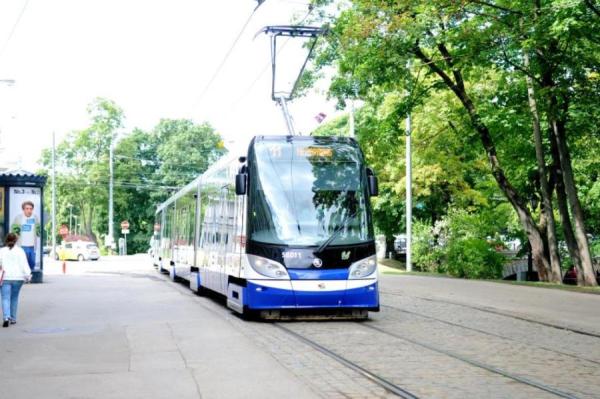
(420, 353)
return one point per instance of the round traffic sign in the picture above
(63, 230)
(125, 224)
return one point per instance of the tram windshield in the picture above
(302, 191)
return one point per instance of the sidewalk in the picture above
(116, 329)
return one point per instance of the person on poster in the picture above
(27, 227)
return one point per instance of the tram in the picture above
(285, 230)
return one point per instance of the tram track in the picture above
(387, 385)
(475, 363)
(380, 381)
(369, 375)
(499, 313)
(427, 317)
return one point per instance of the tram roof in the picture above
(224, 160)
(333, 139)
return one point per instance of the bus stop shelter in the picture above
(22, 212)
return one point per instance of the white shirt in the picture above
(14, 263)
(27, 229)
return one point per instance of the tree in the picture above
(470, 49)
(148, 168)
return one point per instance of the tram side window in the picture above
(170, 227)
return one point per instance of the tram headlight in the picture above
(268, 267)
(363, 268)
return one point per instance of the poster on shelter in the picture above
(24, 220)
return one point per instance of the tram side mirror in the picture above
(373, 183)
(373, 186)
(240, 184)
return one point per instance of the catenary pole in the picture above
(408, 196)
(110, 197)
(53, 193)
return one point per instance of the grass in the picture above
(564, 287)
(394, 267)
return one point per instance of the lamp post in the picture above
(75, 217)
(70, 206)
(408, 196)
(111, 239)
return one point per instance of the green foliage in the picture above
(473, 258)
(463, 244)
(422, 57)
(148, 168)
(427, 254)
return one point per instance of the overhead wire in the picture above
(14, 28)
(227, 54)
(268, 65)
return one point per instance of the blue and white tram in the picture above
(287, 228)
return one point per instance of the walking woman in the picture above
(15, 270)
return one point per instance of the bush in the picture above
(426, 255)
(462, 244)
(473, 258)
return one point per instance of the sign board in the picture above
(125, 225)
(156, 226)
(24, 218)
(63, 230)
(124, 231)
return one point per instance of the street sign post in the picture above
(125, 231)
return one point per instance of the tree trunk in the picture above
(555, 274)
(557, 121)
(563, 207)
(588, 276)
(533, 234)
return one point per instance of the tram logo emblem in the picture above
(345, 255)
(317, 262)
(321, 286)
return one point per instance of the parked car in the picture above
(400, 244)
(78, 250)
(571, 276)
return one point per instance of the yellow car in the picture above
(78, 250)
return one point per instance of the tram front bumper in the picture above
(306, 294)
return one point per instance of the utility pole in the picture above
(408, 196)
(110, 197)
(53, 193)
(70, 206)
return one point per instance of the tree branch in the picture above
(450, 61)
(434, 67)
(495, 6)
(519, 67)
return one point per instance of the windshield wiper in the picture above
(336, 232)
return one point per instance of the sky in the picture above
(154, 58)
